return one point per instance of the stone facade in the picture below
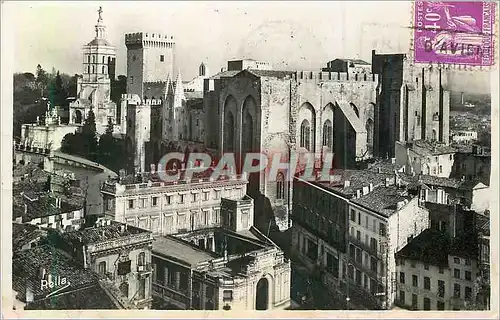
(281, 112)
(414, 103)
(150, 59)
(436, 283)
(170, 116)
(120, 254)
(94, 85)
(232, 266)
(357, 257)
(426, 157)
(167, 208)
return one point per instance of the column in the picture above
(203, 294)
(177, 280)
(213, 243)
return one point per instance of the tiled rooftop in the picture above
(465, 245)
(27, 266)
(271, 73)
(357, 180)
(356, 61)
(430, 247)
(440, 181)
(23, 234)
(430, 148)
(383, 200)
(97, 234)
(89, 298)
(224, 74)
(45, 206)
(384, 166)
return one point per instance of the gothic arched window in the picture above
(305, 134)
(88, 59)
(434, 135)
(88, 69)
(103, 69)
(328, 134)
(229, 131)
(280, 186)
(93, 69)
(103, 59)
(369, 133)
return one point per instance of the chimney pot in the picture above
(347, 183)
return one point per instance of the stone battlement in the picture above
(315, 76)
(153, 102)
(145, 38)
(131, 98)
(135, 99)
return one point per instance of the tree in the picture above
(89, 137)
(57, 93)
(42, 79)
(69, 144)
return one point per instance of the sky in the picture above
(291, 35)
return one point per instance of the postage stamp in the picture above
(454, 32)
(343, 162)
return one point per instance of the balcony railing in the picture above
(166, 292)
(371, 250)
(365, 269)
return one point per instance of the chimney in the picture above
(25, 208)
(358, 193)
(347, 183)
(370, 187)
(42, 273)
(122, 228)
(30, 297)
(379, 170)
(399, 205)
(366, 190)
(393, 160)
(152, 168)
(387, 182)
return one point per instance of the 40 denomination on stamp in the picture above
(455, 32)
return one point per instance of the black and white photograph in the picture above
(248, 156)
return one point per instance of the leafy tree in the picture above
(42, 79)
(89, 137)
(57, 93)
(69, 144)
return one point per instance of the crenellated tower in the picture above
(150, 58)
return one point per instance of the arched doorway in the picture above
(262, 294)
(78, 117)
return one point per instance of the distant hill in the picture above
(481, 101)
